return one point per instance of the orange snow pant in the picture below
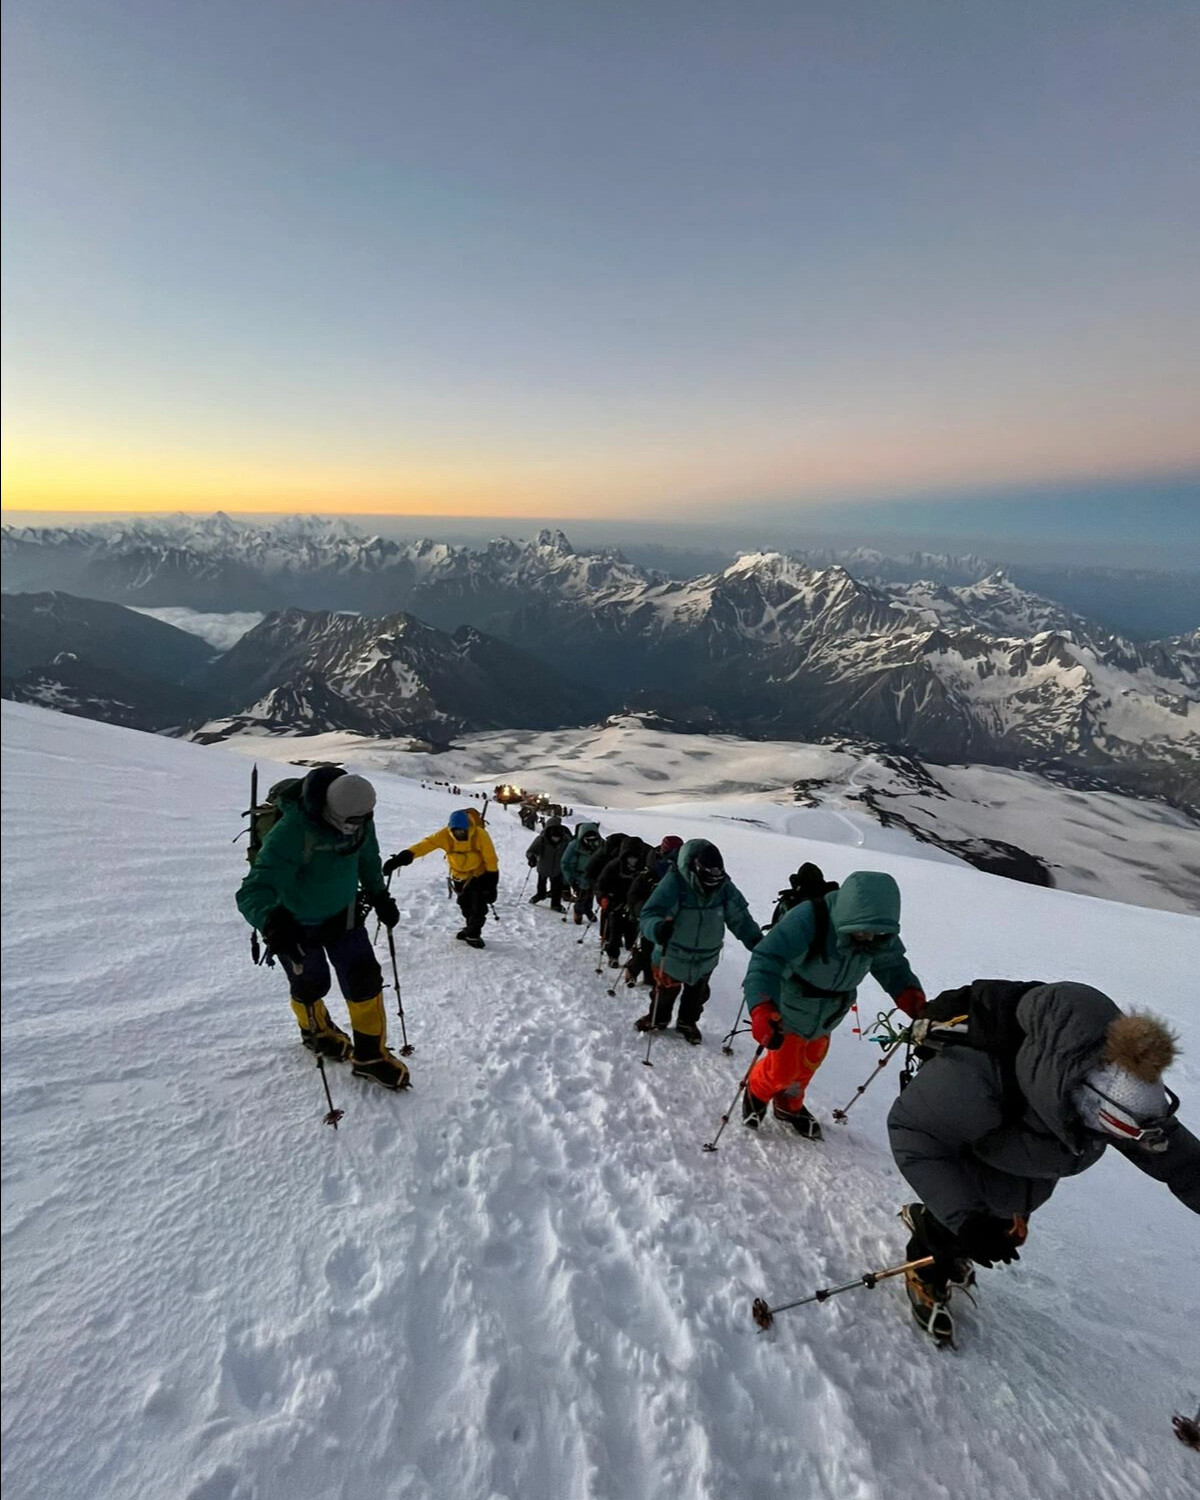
(783, 1075)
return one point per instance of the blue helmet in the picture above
(459, 821)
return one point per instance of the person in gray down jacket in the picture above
(545, 855)
(1024, 1083)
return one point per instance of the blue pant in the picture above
(353, 960)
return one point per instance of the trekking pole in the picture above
(764, 1316)
(646, 1063)
(840, 1114)
(712, 1145)
(334, 1114)
(407, 1049)
(524, 886)
(584, 934)
(727, 1044)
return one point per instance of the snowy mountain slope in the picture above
(390, 675)
(524, 1279)
(1093, 842)
(969, 666)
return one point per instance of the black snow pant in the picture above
(692, 1000)
(353, 960)
(552, 884)
(473, 903)
(931, 1237)
(583, 906)
(640, 965)
(620, 932)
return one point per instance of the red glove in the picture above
(912, 1002)
(766, 1025)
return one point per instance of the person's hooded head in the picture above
(349, 803)
(459, 824)
(705, 866)
(1124, 1097)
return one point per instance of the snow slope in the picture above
(524, 1279)
(1096, 843)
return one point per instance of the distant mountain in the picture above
(98, 660)
(950, 658)
(310, 672)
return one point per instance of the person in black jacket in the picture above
(612, 887)
(1024, 1083)
(658, 861)
(595, 867)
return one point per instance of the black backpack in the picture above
(807, 884)
(982, 1015)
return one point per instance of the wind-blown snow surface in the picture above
(524, 1279)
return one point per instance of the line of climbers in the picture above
(1020, 1083)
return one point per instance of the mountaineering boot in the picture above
(472, 941)
(690, 1032)
(372, 1060)
(801, 1121)
(929, 1310)
(318, 1033)
(753, 1110)
(557, 906)
(533, 900)
(960, 1273)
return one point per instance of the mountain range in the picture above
(964, 665)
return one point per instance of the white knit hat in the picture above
(1113, 1102)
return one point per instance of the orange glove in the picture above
(912, 1002)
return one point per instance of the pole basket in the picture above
(1187, 1430)
(761, 1313)
(333, 1117)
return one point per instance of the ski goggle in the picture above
(460, 834)
(710, 876)
(1150, 1135)
(869, 940)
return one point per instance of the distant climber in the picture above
(545, 855)
(576, 855)
(474, 869)
(685, 918)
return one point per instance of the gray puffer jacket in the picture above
(969, 1144)
(548, 848)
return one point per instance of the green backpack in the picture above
(264, 815)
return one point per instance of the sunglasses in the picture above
(870, 939)
(1151, 1135)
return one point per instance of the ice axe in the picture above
(764, 1316)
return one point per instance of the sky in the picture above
(670, 262)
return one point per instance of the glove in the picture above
(282, 935)
(665, 928)
(912, 1002)
(386, 909)
(398, 861)
(490, 880)
(766, 1025)
(986, 1239)
(531, 861)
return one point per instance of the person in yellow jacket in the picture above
(474, 869)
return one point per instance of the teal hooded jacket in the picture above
(700, 918)
(814, 994)
(575, 856)
(308, 867)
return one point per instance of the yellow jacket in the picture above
(466, 857)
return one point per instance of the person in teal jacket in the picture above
(575, 860)
(302, 894)
(685, 918)
(803, 979)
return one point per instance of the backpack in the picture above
(982, 1015)
(807, 884)
(264, 815)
